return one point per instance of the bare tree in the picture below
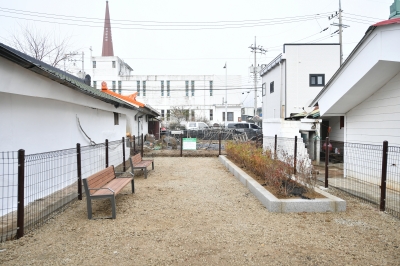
(47, 47)
(180, 114)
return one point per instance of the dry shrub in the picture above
(276, 173)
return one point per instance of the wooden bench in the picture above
(137, 162)
(105, 184)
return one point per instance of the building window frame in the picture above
(113, 64)
(271, 87)
(192, 87)
(138, 87)
(168, 114)
(211, 115)
(144, 88)
(317, 80)
(94, 64)
(230, 116)
(211, 87)
(168, 88)
(162, 114)
(113, 85)
(187, 88)
(162, 88)
(94, 84)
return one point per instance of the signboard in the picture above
(189, 144)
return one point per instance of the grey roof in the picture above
(64, 78)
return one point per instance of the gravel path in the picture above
(191, 211)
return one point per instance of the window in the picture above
(162, 87)
(94, 64)
(113, 86)
(119, 86)
(230, 116)
(211, 115)
(192, 86)
(168, 115)
(113, 64)
(211, 88)
(162, 114)
(271, 87)
(116, 119)
(264, 89)
(95, 84)
(192, 115)
(138, 87)
(187, 87)
(144, 88)
(317, 80)
(168, 88)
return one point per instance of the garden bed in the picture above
(328, 204)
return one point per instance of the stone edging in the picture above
(273, 204)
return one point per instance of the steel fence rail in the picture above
(35, 187)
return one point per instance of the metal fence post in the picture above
(219, 138)
(181, 143)
(134, 145)
(295, 156)
(326, 161)
(21, 196)
(79, 169)
(384, 174)
(123, 154)
(141, 147)
(276, 143)
(106, 153)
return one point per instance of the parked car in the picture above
(196, 126)
(244, 127)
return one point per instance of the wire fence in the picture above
(34, 188)
(369, 172)
(201, 142)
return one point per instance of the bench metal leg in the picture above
(152, 165)
(113, 207)
(145, 173)
(133, 185)
(89, 207)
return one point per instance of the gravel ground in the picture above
(191, 211)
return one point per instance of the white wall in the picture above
(377, 118)
(272, 102)
(39, 115)
(303, 60)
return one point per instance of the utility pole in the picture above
(255, 50)
(341, 26)
(226, 95)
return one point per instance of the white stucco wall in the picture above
(303, 60)
(39, 115)
(272, 102)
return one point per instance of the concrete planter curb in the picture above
(273, 204)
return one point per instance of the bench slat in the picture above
(116, 185)
(101, 178)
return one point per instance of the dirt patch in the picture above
(192, 211)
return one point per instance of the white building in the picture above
(45, 109)
(364, 95)
(204, 97)
(289, 84)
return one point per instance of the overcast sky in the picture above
(194, 37)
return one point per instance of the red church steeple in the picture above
(107, 37)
